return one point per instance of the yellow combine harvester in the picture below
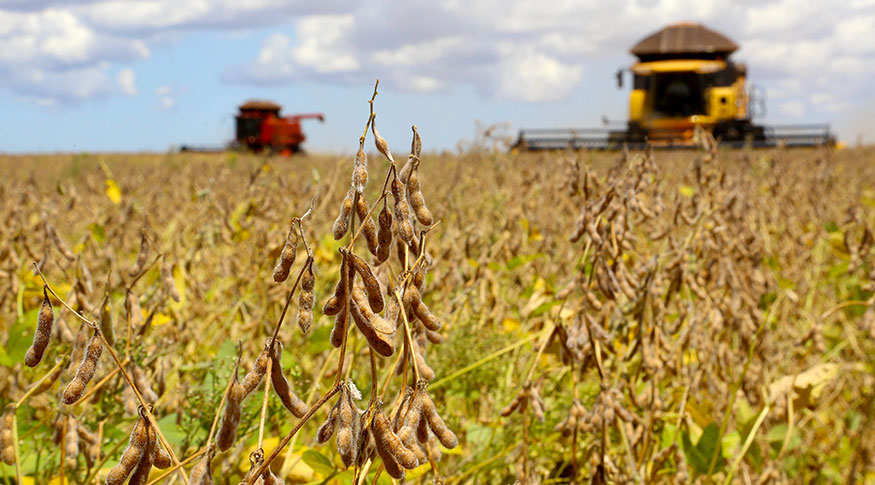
(683, 79)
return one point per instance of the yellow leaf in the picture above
(567, 313)
(269, 444)
(686, 190)
(510, 325)
(300, 472)
(113, 191)
(160, 319)
(418, 471)
(179, 280)
(807, 386)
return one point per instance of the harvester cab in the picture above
(683, 79)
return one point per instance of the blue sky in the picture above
(124, 75)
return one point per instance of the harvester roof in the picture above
(686, 40)
(259, 105)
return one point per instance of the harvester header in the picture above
(683, 79)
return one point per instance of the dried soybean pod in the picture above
(71, 442)
(341, 224)
(349, 427)
(202, 474)
(390, 464)
(143, 384)
(59, 244)
(419, 276)
(380, 142)
(86, 369)
(341, 320)
(43, 332)
(131, 456)
(388, 442)
(404, 173)
(425, 371)
(338, 301)
(106, 320)
(437, 425)
(384, 235)
(415, 197)
(253, 378)
(142, 256)
(230, 415)
(132, 307)
(169, 284)
(141, 472)
(407, 432)
(306, 298)
(379, 336)
(371, 284)
(402, 211)
(434, 337)
(268, 478)
(326, 431)
(130, 400)
(510, 408)
(287, 255)
(416, 143)
(7, 439)
(332, 306)
(369, 228)
(413, 298)
(360, 169)
(281, 386)
(160, 457)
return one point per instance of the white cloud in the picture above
(80, 41)
(534, 76)
(794, 108)
(167, 97)
(510, 49)
(520, 50)
(127, 81)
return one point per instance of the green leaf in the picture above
(20, 338)
(478, 435)
(98, 233)
(521, 260)
(544, 308)
(699, 455)
(318, 462)
(171, 431)
(319, 338)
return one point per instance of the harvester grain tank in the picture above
(684, 78)
(260, 127)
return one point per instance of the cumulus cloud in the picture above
(167, 97)
(521, 50)
(535, 76)
(812, 56)
(55, 52)
(127, 81)
(794, 108)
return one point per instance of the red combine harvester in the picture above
(260, 127)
